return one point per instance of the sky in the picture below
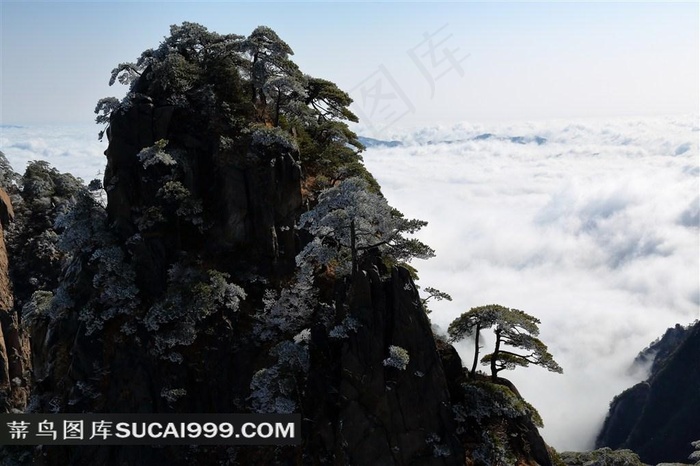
(404, 63)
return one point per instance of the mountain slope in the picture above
(245, 262)
(658, 418)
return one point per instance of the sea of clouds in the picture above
(73, 149)
(590, 225)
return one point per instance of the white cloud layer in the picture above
(74, 148)
(590, 225)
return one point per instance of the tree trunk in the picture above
(353, 248)
(494, 357)
(253, 89)
(277, 108)
(476, 351)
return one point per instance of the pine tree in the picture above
(513, 328)
(351, 220)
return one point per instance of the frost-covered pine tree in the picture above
(269, 59)
(188, 70)
(351, 220)
(283, 91)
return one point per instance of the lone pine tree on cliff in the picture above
(513, 328)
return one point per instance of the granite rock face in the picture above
(657, 418)
(656, 354)
(14, 345)
(376, 392)
(366, 410)
(247, 203)
(183, 293)
(601, 457)
(362, 411)
(359, 410)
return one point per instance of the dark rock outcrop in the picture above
(183, 294)
(359, 410)
(601, 457)
(32, 262)
(365, 411)
(625, 412)
(656, 354)
(524, 441)
(14, 346)
(41, 196)
(250, 200)
(658, 418)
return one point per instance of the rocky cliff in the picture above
(379, 413)
(655, 355)
(657, 418)
(240, 202)
(13, 342)
(357, 409)
(244, 262)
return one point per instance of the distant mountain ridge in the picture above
(658, 352)
(658, 418)
(372, 142)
